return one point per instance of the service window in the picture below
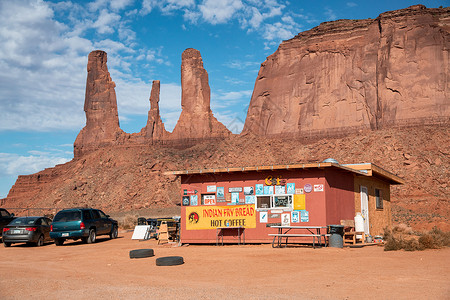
(263, 202)
(284, 201)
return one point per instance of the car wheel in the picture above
(169, 261)
(6, 244)
(40, 241)
(91, 237)
(114, 232)
(141, 253)
(59, 242)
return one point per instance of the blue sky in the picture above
(44, 47)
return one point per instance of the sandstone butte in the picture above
(382, 82)
(348, 75)
(196, 121)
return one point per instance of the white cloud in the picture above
(330, 14)
(106, 22)
(14, 164)
(219, 11)
(120, 4)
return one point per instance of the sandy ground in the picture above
(104, 270)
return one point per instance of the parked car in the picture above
(82, 223)
(5, 219)
(30, 230)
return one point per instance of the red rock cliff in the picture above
(352, 74)
(102, 121)
(196, 120)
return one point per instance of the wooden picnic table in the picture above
(313, 231)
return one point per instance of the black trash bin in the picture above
(336, 238)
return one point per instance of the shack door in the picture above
(365, 208)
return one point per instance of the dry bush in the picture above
(402, 237)
(128, 222)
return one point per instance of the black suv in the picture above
(82, 223)
(5, 218)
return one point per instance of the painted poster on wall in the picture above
(211, 217)
(268, 190)
(250, 199)
(280, 189)
(194, 200)
(259, 189)
(185, 201)
(290, 188)
(285, 219)
(263, 217)
(235, 198)
(299, 202)
(295, 217)
(220, 192)
(209, 199)
(318, 188)
(248, 190)
(211, 189)
(304, 216)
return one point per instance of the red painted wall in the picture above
(327, 207)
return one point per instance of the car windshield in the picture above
(23, 221)
(67, 216)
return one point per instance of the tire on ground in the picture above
(141, 253)
(170, 261)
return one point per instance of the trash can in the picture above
(336, 236)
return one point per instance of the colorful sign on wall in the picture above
(295, 217)
(248, 190)
(280, 189)
(235, 198)
(209, 199)
(263, 217)
(207, 217)
(268, 190)
(318, 188)
(194, 200)
(290, 187)
(220, 192)
(211, 189)
(304, 216)
(259, 189)
(299, 202)
(308, 188)
(285, 219)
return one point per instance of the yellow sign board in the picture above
(299, 202)
(211, 217)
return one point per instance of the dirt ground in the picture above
(104, 270)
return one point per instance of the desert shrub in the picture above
(402, 237)
(428, 241)
(129, 222)
(392, 244)
(412, 245)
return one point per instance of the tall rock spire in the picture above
(154, 130)
(100, 105)
(196, 120)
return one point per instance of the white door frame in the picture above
(365, 207)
